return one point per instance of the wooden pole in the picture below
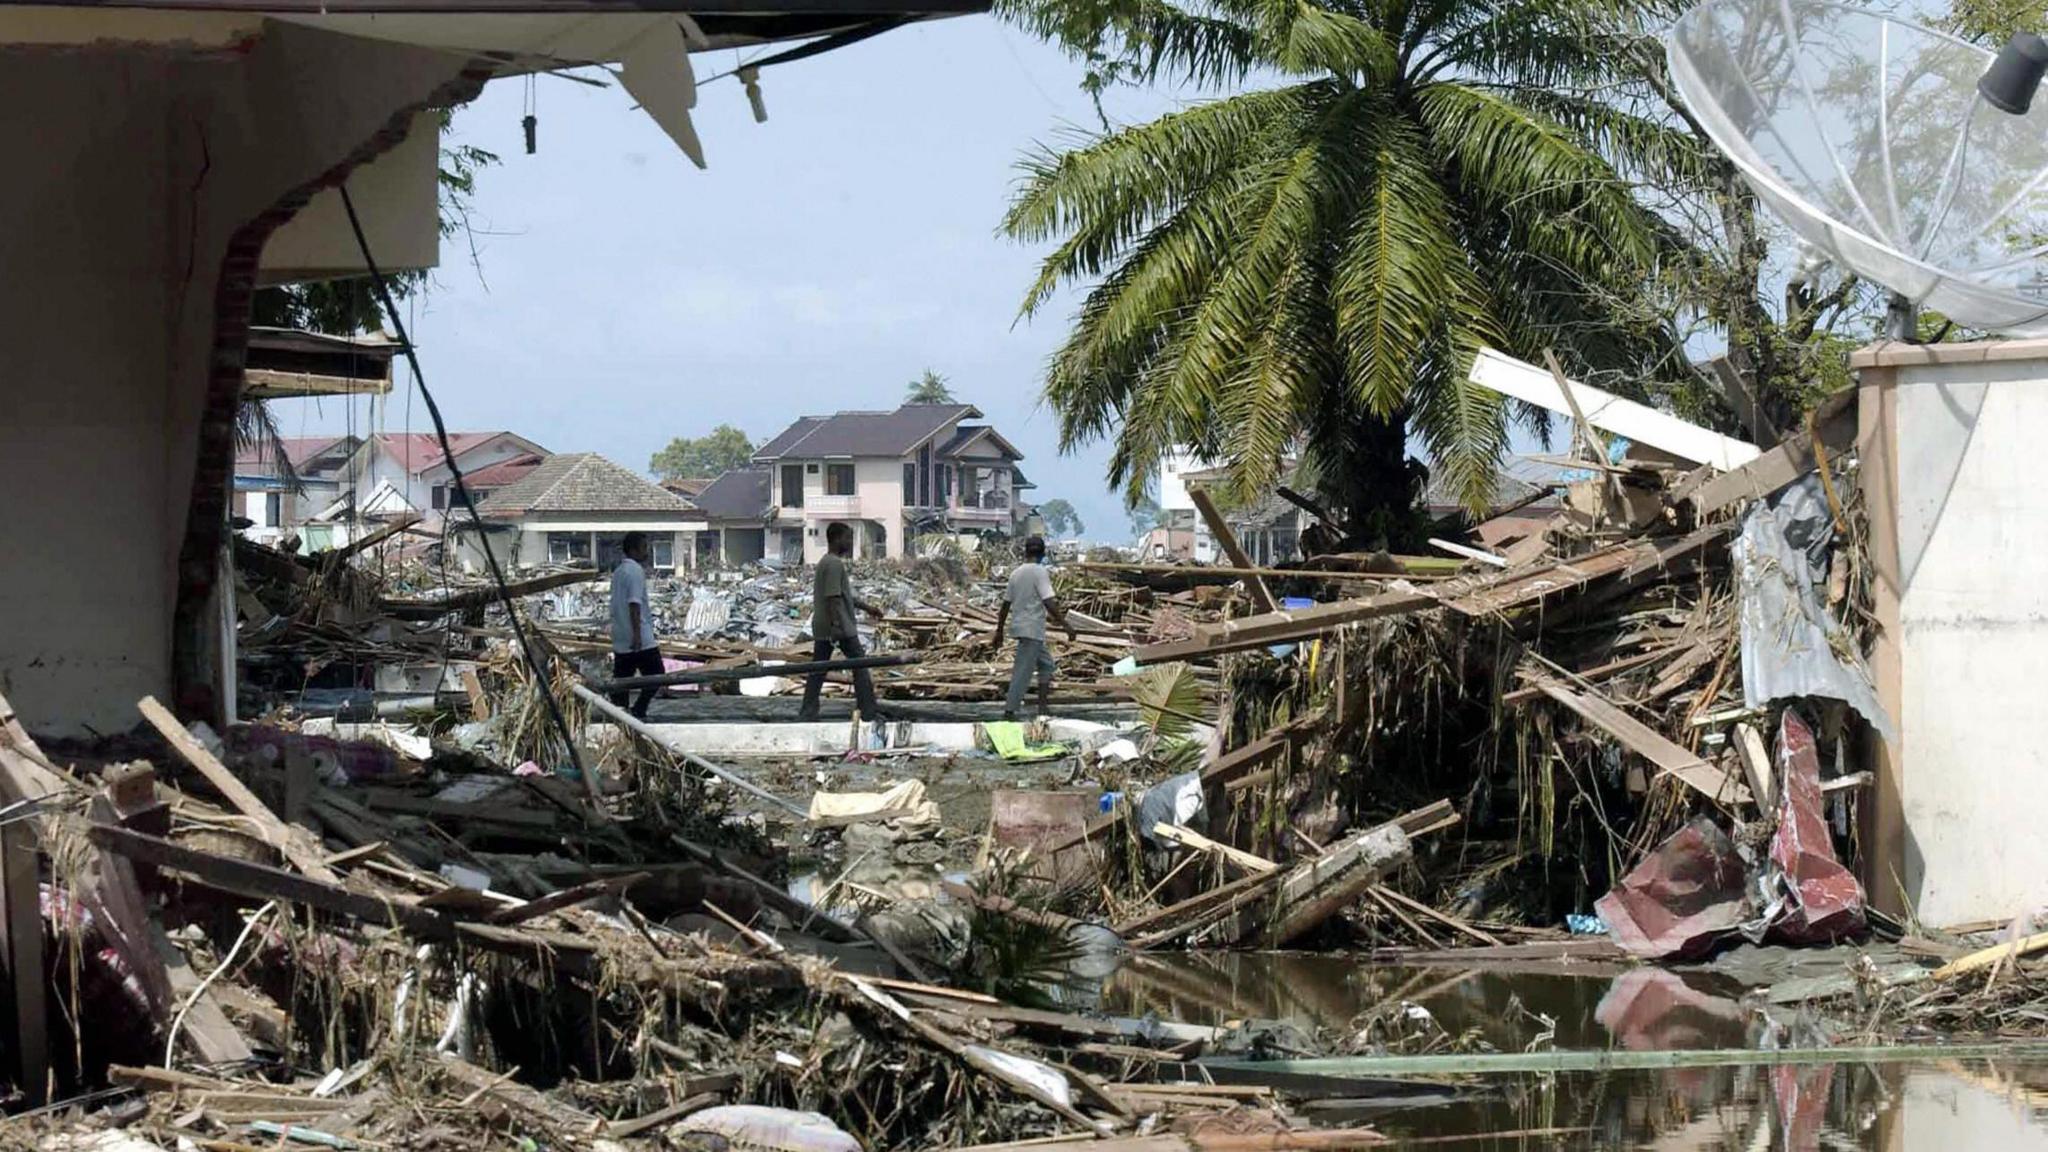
(1217, 528)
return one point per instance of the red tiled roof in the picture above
(418, 451)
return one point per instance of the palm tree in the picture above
(930, 388)
(1309, 268)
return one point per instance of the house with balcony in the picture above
(891, 476)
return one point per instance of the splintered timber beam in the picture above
(262, 882)
(296, 846)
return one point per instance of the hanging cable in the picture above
(542, 681)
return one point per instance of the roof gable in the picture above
(580, 482)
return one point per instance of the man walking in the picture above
(1025, 608)
(832, 624)
(634, 650)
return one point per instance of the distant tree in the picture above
(1146, 515)
(721, 450)
(1061, 519)
(930, 388)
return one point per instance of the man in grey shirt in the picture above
(832, 624)
(635, 652)
(1026, 604)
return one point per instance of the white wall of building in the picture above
(1952, 463)
(111, 228)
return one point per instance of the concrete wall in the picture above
(1951, 464)
(131, 227)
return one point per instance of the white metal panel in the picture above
(1610, 413)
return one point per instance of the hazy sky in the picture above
(823, 260)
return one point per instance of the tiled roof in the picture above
(502, 473)
(863, 433)
(580, 482)
(257, 457)
(418, 451)
(741, 494)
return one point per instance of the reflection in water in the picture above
(1642, 1008)
(1887, 1108)
(1935, 1107)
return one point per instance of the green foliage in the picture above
(1271, 268)
(721, 450)
(930, 388)
(1061, 519)
(1167, 695)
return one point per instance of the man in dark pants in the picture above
(634, 650)
(832, 624)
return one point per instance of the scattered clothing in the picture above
(1008, 739)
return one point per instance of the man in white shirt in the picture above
(1026, 605)
(634, 649)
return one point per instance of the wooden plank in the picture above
(296, 847)
(566, 898)
(24, 922)
(479, 703)
(1251, 632)
(1262, 598)
(1244, 861)
(1714, 783)
(369, 541)
(206, 1026)
(1756, 765)
(1836, 419)
(24, 777)
(260, 881)
(627, 1129)
(1984, 958)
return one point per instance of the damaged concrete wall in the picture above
(132, 227)
(1952, 440)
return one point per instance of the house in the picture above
(737, 510)
(891, 476)
(282, 483)
(576, 509)
(348, 486)
(178, 156)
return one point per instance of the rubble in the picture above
(1568, 751)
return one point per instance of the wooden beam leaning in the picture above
(1704, 493)
(1261, 596)
(297, 846)
(1249, 632)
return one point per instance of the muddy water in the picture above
(1933, 1107)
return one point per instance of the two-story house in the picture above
(891, 476)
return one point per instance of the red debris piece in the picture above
(1681, 899)
(1827, 900)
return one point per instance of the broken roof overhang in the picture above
(285, 362)
(645, 44)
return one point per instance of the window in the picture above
(273, 510)
(946, 484)
(792, 486)
(569, 547)
(909, 485)
(441, 496)
(838, 479)
(661, 551)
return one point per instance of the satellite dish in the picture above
(1898, 152)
